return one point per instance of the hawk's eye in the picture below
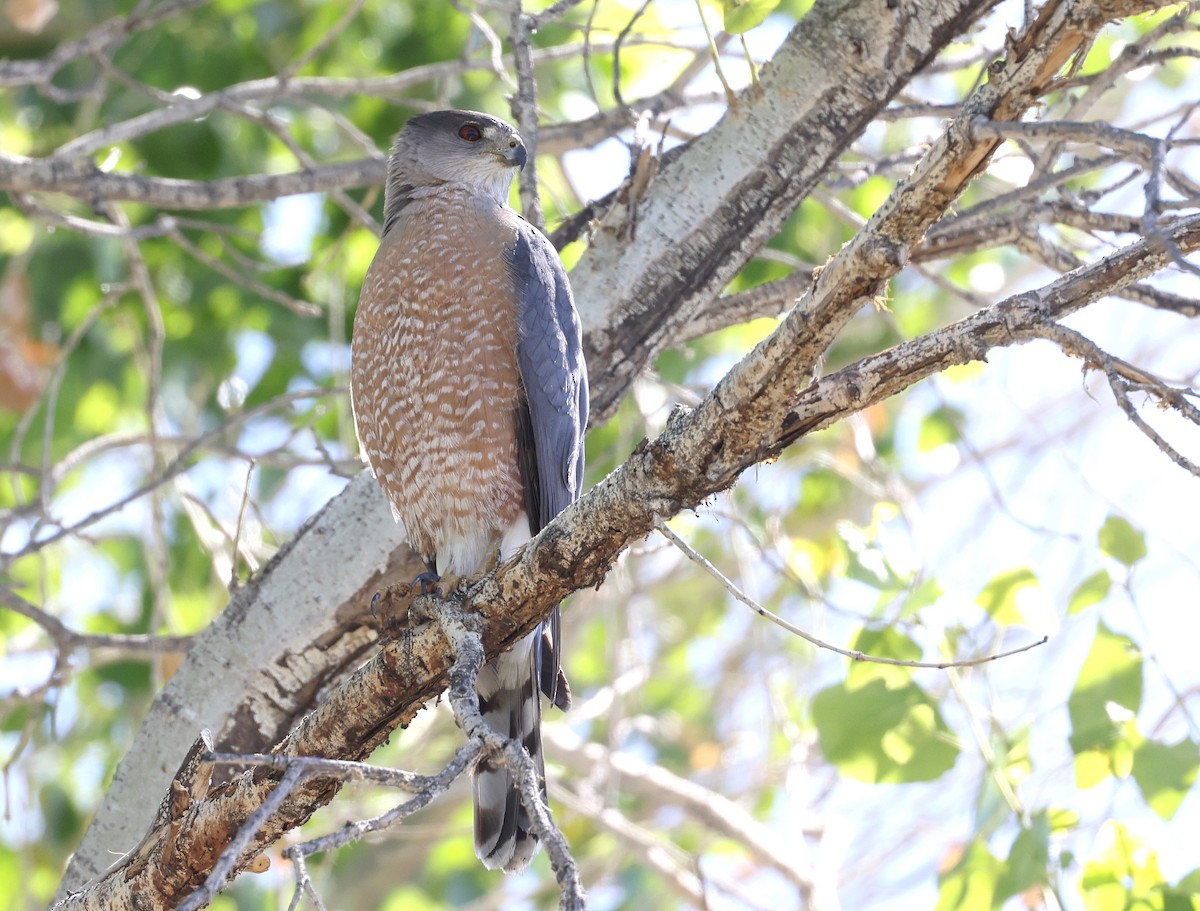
(470, 132)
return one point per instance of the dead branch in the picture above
(1122, 379)
(463, 634)
(853, 655)
(67, 640)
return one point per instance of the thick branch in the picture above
(860, 271)
(266, 675)
(83, 180)
(837, 70)
(292, 631)
(1017, 319)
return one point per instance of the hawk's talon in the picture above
(426, 583)
(387, 613)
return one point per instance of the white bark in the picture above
(278, 634)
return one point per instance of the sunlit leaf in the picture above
(1165, 773)
(1090, 591)
(409, 898)
(97, 409)
(1092, 767)
(1122, 541)
(743, 15)
(1111, 676)
(999, 597)
(886, 642)
(1027, 859)
(970, 885)
(1061, 820)
(939, 427)
(924, 595)
(1123, 874)
(879, 733)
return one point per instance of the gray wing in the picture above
(552, 417)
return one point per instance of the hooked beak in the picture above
(516, 155)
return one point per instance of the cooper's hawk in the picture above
(470, 399)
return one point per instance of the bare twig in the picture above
(232, 854)
(42, 71)
(304, 883)
(327, 38)
(554, 11)
(616, 67)
(67, 639)
(715, 812)
(854, 655)
(302, 308)
(524, 108)
(177, 465)
(1122, 379)
(463, 633)
(346, 770)
(674, 866)
(425, 787)
(235, 548)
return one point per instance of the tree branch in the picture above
(755, 166)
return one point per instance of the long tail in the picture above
(511, 705)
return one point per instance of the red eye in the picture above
(470, 132)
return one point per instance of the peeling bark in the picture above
(711, 208)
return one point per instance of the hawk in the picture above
(470, 399)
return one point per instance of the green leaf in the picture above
(1122, 541)
(881, 733)
(1190, 882)
(1062, 820)
(10, 872)
(1165, 773)
(1091, 768)
(1123, 875)
(999, 597)
(1110, 680)
(1120, 755)
(924, 595)
(970, 885)
(1027, 859)
(1090, 591)
(743, 15)
(409, 898)
(887, 642)
(96, 410)
(939, 428)
(1184, 895)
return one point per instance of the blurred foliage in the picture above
(113, 387)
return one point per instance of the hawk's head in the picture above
(453, 147)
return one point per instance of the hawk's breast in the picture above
(434, 377)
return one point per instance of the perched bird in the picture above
(470, 399)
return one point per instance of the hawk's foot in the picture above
(430, 584)
(389, 609)
(426, 583)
